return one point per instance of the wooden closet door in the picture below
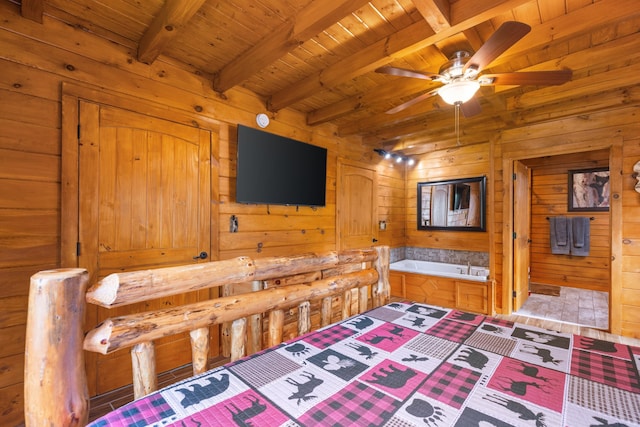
(357, 207)
(521, 239)
(144, 201)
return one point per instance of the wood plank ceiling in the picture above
(319, 57)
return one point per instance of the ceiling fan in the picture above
(461, 74)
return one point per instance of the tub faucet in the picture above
(468, 267)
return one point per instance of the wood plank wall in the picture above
(36, 59)
(549, 184)
(391, 202)
(466, 161)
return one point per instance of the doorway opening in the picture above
(581, 284)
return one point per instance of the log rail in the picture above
(55, 380)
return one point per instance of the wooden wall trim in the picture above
(616, 218)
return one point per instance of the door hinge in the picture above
(515, 236)
(514, 294)
(78, 131)
(514, 176)
(77, 248)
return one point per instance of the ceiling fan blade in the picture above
(409, 103)
(471, 108)
(505, 37)
(402, 72)
(538, 78)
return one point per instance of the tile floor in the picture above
(578, 306)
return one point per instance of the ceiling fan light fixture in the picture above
(458, 92)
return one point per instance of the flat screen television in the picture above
(276, 170)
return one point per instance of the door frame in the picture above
(558, 145)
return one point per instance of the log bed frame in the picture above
(55, 378)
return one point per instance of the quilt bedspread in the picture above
(407, 364)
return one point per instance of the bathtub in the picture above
(456, 271)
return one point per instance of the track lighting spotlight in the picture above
(399, 158)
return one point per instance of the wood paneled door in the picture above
(144, 200)
(521, 233)
(357, 206)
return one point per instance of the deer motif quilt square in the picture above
(539, 385)
(249, 408)
(542, 336)
(542, 355)
(303, 389)
(488, 405)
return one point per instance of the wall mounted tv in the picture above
(276, 170)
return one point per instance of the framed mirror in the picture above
(457, 204)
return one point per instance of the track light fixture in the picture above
(399, 158)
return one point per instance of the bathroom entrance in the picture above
(541, 193)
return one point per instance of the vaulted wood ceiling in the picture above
(320, 56)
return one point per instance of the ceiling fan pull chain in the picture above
(457, 122)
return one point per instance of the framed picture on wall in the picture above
(588, 190)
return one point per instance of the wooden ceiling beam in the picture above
(396, 88)
(542, 35)
(382, 94)
(376, 121)
(464, 14)
(436, 125)
(32, 9)
(310, 21)
(437, 13)
(602, 82)
(174, 15)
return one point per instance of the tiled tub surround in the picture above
(448, 256)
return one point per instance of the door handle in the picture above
(374, 240)
(201, 255)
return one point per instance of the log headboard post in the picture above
(54, 360)
(382, 293)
